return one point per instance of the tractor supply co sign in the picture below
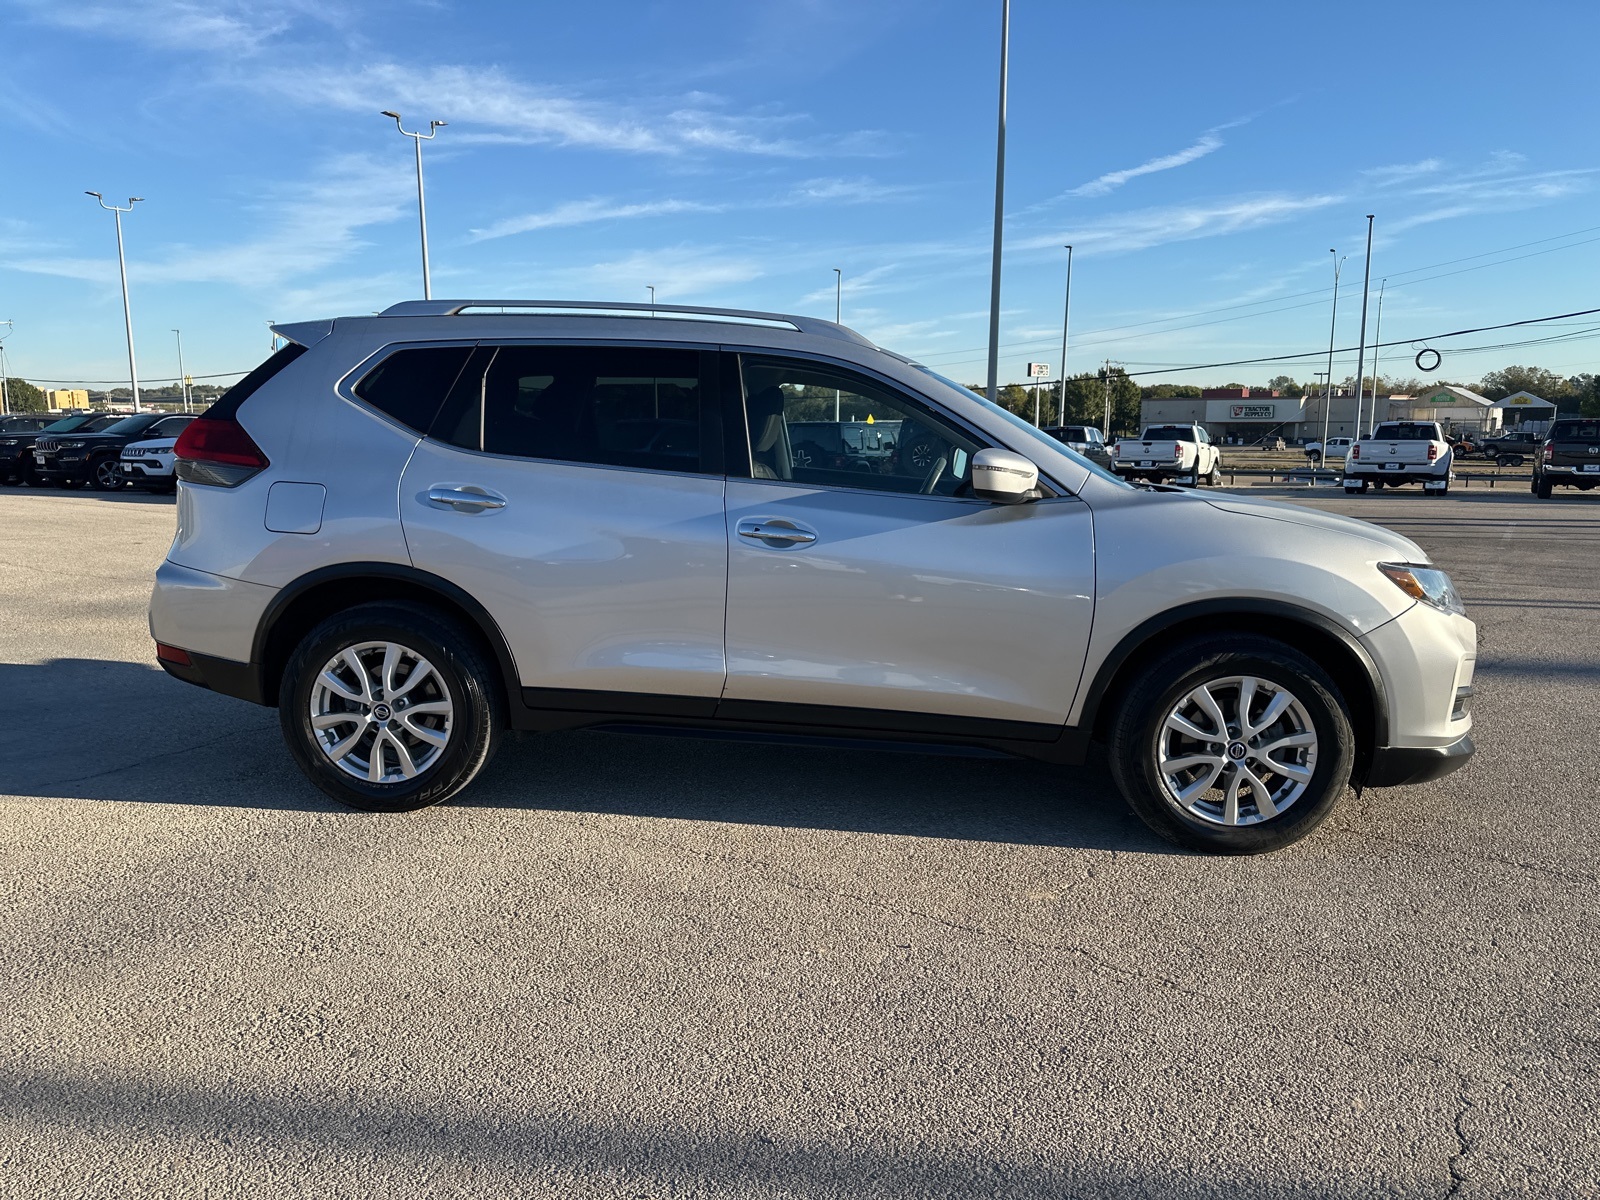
(1251, 412)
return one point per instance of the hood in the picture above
(1402, 548)
(160, 443)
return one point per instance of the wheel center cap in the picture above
(381, 712)
(1237, 751)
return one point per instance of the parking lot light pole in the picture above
(183, 378)
(5, 389)
(838, 319)
(1327, 398)
(1361, 353)
(1066, 315)
(422, 208)
(122, 265)
(999, 209)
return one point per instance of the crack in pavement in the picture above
(1465, 1144)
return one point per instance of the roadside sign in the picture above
(1038, 370)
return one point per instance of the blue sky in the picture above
(1202, 159)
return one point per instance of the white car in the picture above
(149, 464)
(1337, 448)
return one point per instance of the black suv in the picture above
(16, 444)
(1570, 457)
(80, 456)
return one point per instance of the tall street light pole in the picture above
(422, 208)
(1066, 315)
(5, 390)
(1361, 354)
(999, 208)
(183, 376)
(122, 265)
(838, 319)
(1377, 344)
(1327, 398)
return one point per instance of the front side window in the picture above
(816, 424)
(620, 406)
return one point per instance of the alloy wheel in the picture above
(107, 474)
(1236, 751)
(381, 712)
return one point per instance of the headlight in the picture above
(69, 445)
(1428, 584)
(10, 441)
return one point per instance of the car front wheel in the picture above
(390, 707)
(1233, 745)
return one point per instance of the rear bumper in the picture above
(220, 675)
(1399, 766)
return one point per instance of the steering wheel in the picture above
(935, 473)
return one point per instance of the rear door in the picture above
(863, 592)
(576, 492)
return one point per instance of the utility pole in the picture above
(1066, 315)
(122, 265)
(422, 209)
(183, 376)
(1361, 354)
(1327, 400)
(1377, 344)
(999, 208)
(838, 319)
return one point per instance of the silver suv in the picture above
(412, 531)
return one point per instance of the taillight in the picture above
(1549, 451)
(1433, 452)
(1116, 451)
(1355, 450)
(217, 452)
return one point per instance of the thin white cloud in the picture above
(1403, 172)
(585, 212)
(1112, 180)
(214, 26)
(678, 273)
(1144, 228)
(313, 226)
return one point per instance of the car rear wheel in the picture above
(1233, 745)
(1542, 487)
(391, 707)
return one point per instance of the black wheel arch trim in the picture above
(1105, 677)
(399, 573)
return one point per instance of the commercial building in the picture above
(65, 399)
(1526, 409)
(1457, 408)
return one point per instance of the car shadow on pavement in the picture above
(91, 729)
(120, 496)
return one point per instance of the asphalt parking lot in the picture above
(657, 967)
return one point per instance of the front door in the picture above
(867, 577)
(575, 492)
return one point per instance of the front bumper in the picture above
(1398, 766)
(147, 471)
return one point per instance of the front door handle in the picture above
(465, 499)
(776, 531)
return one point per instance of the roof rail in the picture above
(452, 308)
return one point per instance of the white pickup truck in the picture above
(1184, 453)
(1400, 452)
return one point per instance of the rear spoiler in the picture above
(304, 333)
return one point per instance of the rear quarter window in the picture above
(410, 385)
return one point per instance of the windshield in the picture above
(131, 425)
(1022, 426)
(65, 425)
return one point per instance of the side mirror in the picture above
(1002, 477)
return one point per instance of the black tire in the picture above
(1140, 719)
(105, 475)
(473, 684)
(1542, 486)
(1215, 478)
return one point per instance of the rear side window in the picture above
(1576, 431)
(227, 408)
(617, 406)
(410, 385)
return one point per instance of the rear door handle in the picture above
(780, 530)
(465, 499)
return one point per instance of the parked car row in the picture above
(103, 451)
